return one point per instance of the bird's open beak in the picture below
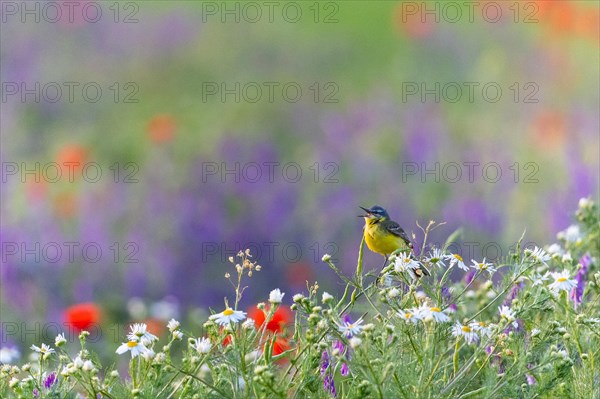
(367, 214)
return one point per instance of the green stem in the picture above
(455, 357)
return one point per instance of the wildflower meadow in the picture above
(299, 199)
(527, 326)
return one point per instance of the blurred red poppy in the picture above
(281, 345)
(227, 340)
(161, 128)
(412, 21)
(82, 316)
(549, 129)
(299, 273)
(71, 158)
(281, 317)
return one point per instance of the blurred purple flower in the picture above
(324, 362)
(50, 380)
(513, 294)
(329, 385)
(470, 276)
(344, 370)
(577, 292)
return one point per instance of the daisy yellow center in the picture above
(481, 324)
(458, 257)
(227, 312)
(435, 260)
(350, 325)
(482, 266)
(132, 344)
(466, 329)
(561, 279)
(408, 315)
(436, 309)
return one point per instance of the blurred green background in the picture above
(378, 109)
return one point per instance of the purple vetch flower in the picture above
(324, 362)
(517, 330)
(329, 385)
(447, 297)
(577, 292)
(513, 294)
(344, 370)
(50, 380)
(470, 276)
(530, 379)
(36, 393)
(339, 345)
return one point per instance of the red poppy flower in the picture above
(281, 345)
(281, 317)
(411, 21)
(82, 316)
(71, 158)
(227, 340)
(161, 128)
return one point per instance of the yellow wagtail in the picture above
(384, 236)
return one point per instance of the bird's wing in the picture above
(396, 230)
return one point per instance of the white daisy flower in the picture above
(437, 258)
(177, 335)
(456, 259)
(539, 255)
(482, 328)
(567, 258)
(276, 296)
(355, 342)
(393, 293)
(470, 336)
(87, 366)
(136, 348)
(535, 331)
(438, 315)
(425, 313)
(139, 333)
(202, 345)
(508, 314)
(9, 354)
(228, 316)
(248, 324)
(148, 355)
(408, 316)
(562, 282)
(585, 202)
(173, 325)
(44, 350)
(350, 329)
(539, 279)
(555, 249)
(483, 266)
(572, 234)
(298, 297)
(60, 340)
(403, 262)
(326, 297)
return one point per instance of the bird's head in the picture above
(375, 213)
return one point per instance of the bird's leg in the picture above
(385, 261)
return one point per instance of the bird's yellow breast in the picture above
(380, 240)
